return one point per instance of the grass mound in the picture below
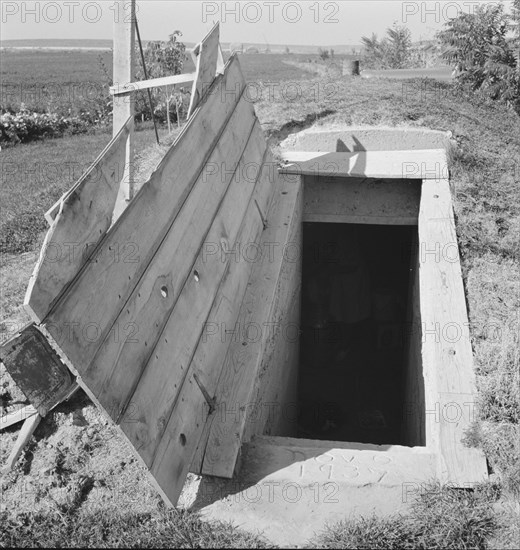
(440, 518)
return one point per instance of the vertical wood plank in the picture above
(124, 105)
(207, 57)
(446, 348)
(269, 287)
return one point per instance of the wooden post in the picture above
(124, 72)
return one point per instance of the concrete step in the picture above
(290, 488)
(353, 464)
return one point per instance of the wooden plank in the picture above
(207, 57)
(80, 220)
(97, 296)
(53, 211)
(118, 365)
(446, 349)
(413, 164)
(28, 428)
(414, 424)
(184, 422)
(172, 80)
(242, 366)
(16, 416)
(172, 355)
(275, 392)
(357, 200)
(124, 106)
(220, 61)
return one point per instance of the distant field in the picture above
(41, 78)
(107, 43)
(57, 43)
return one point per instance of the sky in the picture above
(266, 22)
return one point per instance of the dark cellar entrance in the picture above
(353, 347)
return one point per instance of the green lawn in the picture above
(55, 80)
(35, 175)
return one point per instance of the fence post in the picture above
(123, 105)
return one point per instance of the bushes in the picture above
(392, 52)
(484, 56)
(163, 58)
(25, 125)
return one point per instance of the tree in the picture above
(485, 58)
(399, 44)
(162, 58)
(375, 51)
(392, 52)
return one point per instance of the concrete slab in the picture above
(289, 489)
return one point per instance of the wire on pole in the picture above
(146, 78)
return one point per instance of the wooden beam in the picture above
(16, 416)
(172, 80)
(446, 347)
(361, 201)
(220, 61)
(267, 291)
(124, 105)
(207, 58)
(28, 428)
(413, 164)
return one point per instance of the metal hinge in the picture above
(211, 401)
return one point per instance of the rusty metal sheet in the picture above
(36, 369)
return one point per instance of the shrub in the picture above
(484, 57)
(25, 125)
(392, 52)
(162, 59)
(324, 54)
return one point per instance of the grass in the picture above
(34, 176)
(440, 518)
(60, 80)
(485, 182)
(121, 530)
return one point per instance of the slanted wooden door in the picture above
(130, 321)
